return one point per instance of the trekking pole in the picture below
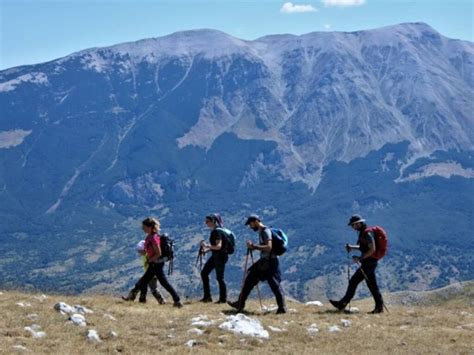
(258, 288)
(243, 278)
(367, 280)
(199, 257)
(170, 267)
(349, 272)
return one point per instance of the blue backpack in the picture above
(229, 240)
(279, 241)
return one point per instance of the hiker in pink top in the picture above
(151, 227)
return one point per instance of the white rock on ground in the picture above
(334, 329)
(201, 320)
(20, 348)
(35, 331)
(40, 298)
(23, 304)
(196, 331)
(312, 329)
(243, 325)
(82, 309)
(93, 336)
(32, 316)
(113, 334)
(109, 317)
(353, 310)
(275, 329)
(78, 319)
(314, 303)
(64, 308)
(346, 322)
(271, 308)
(192, 343)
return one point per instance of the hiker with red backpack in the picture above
(221, 245)
(156, 262)
(372, 243)
(272, 243)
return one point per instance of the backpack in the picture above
(167, 247)
(381, 241)
(279, 241)
(229, 240)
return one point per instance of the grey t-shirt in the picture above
(264, 236)
(365, 239)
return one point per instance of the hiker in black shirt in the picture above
(217, 260)
(267, 268)
(366, 245)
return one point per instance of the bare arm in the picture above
(267, 247)
(369, 252)
(216, 247)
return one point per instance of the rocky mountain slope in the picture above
(304, 130)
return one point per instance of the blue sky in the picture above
(34, 31)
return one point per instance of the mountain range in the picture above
(304, 130)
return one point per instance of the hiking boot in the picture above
(338, 304)
(178, 304)
(378, 309)
(206, 300)
(237, 306)
(281, 311)
(131, 296)
(159, 297)
(221, 301)
(142, 300)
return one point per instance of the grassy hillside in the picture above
(444, 327)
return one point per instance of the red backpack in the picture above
(381, 241)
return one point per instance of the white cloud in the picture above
(343, 3)
(10, 139)
(327, 26)
(290, 8)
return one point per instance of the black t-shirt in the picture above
(216, 236)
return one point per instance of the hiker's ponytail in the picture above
(153, 223)
(216, 219)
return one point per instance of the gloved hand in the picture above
(348, 248)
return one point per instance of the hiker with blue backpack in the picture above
(272, 243)
(221, 245)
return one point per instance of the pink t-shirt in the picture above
(149, 241)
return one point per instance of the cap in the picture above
(355, 219)
(252, 218)
(141, 245)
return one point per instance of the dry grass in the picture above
(150, 328)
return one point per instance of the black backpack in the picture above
(229, 240)
(167, 247)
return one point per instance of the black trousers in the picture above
(215, 262)
(368, 266)
(153, 286)
(264, 270)
(157, 270)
